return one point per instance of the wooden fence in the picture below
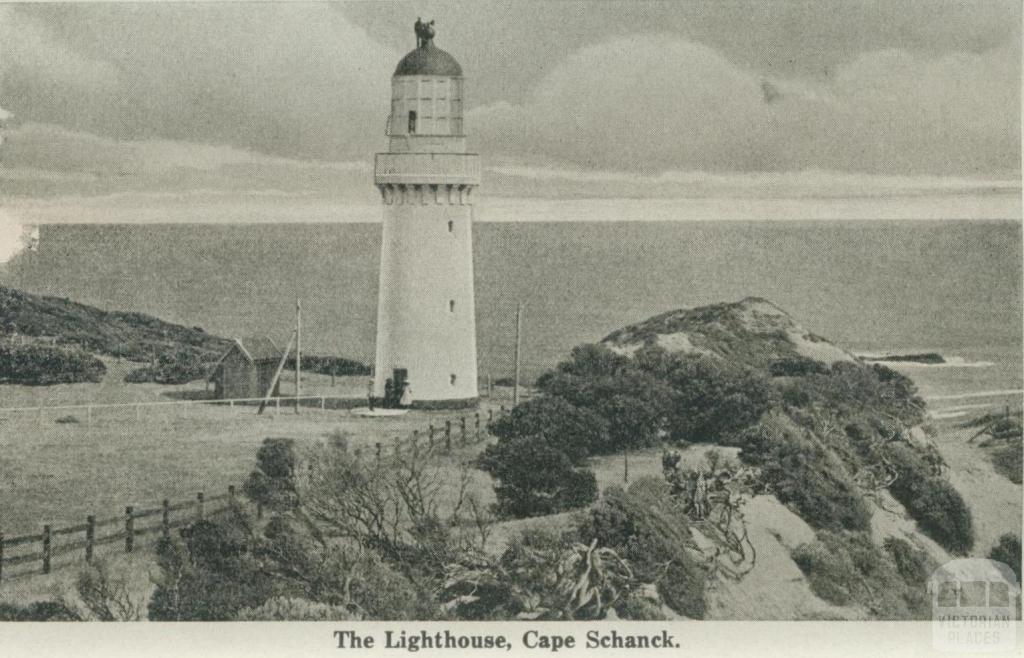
(438, 439)
(139, 524)
(85, 538)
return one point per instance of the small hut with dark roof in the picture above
(247, 369)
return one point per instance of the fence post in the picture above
(377, 446)
(90, 536)
(129, 529)
(231, 404)
(46, 549)
(462, 425)
(398, 448)
(1, 554)
(490, 415)
(415, 444)
(231, 495)
(430, 439)
(448, 435)
(323, 404)
(476, 424)
(166, 519)
(277, 406)
(199, 505)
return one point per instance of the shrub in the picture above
(283, 608)
(535, 478)
(38, 611)
(796, 366)
(330, 365)
(574, 431)
(542, 575)
(846, 568)
(932, 501)
(851, 388)
(106, 595)
(911, 563)
(1007, 460)
(44, 365)
(273, 483)
(180, 367)
(712, 399)
(1007, 551)
(210, 575)
(632, 402)
(646, 527)
(804, 474)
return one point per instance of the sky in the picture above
(152, 105)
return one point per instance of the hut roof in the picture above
(259, 348)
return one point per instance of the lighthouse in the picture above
(426, 324)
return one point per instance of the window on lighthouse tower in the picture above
(412, 122)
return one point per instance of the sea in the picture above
(873, 287)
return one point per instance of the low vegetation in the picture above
(847, 568)
(179, 367)
(45, 365)
(133, 336)
(1007, 551)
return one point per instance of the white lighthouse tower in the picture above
(426, 325)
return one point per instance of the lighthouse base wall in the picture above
(426, 324)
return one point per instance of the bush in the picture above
(796, 366)
(210, 575)
(804, 474)
(632, 402)
(647, 529)
(44, 365)
(330, 365)
(284, 608)
(273, 483)
(852, 388)
(181, 367)
(911, 563)
(930, 500)
(1007, 551)
(38, 611)
(535, 478)
(574, 431)
(712, 399)
(846, 568)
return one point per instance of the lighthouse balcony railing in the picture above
(427, 169)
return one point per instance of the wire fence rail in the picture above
(316, 402)
(319, 402)
(80, 542)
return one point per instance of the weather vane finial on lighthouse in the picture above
(424, 33)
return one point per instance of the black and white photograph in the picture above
(626, 315)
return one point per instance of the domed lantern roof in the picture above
(428, 59)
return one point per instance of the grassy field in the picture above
(57, 473)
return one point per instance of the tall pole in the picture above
(519, 333)
(298, 352)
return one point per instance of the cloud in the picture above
(652, 103)
(282, 78)
(41, 160)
